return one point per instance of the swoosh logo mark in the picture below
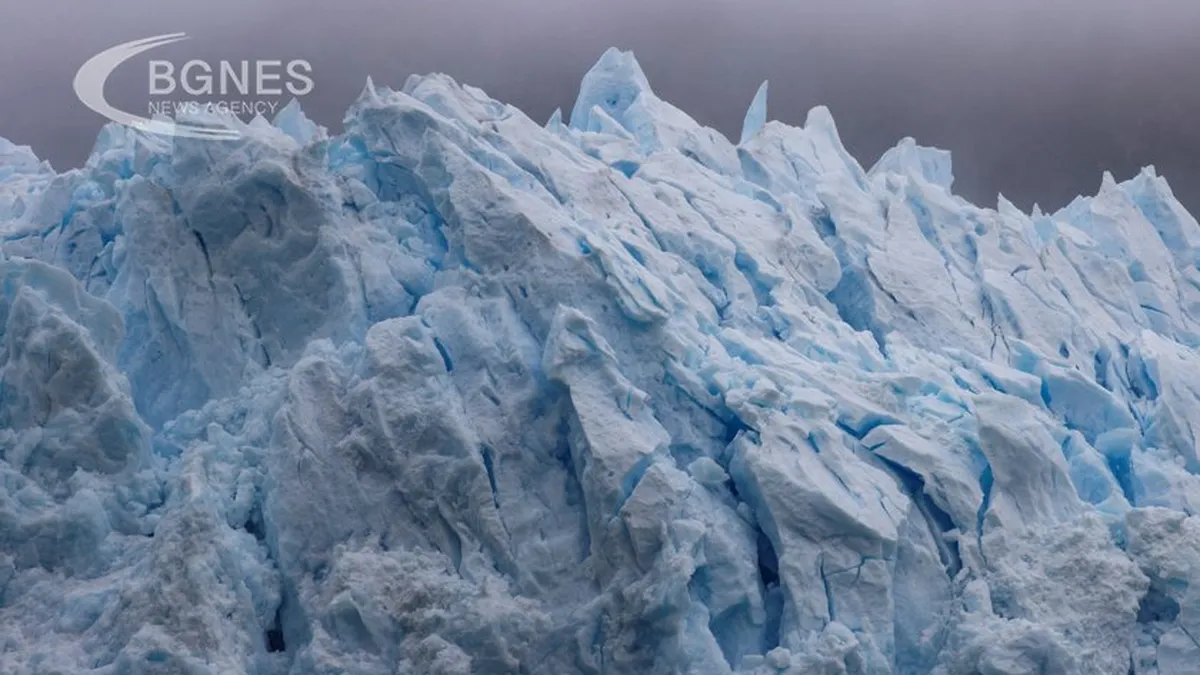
(92, 76)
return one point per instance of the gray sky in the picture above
(1034, 97)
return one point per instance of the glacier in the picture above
(456, 392)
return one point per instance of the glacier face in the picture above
(456, 392)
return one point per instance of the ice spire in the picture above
(613, 84)
(556, 122)
(756, 114)
(293, 122)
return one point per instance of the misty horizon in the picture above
(1034, 100)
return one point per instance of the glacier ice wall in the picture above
(455, 392)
